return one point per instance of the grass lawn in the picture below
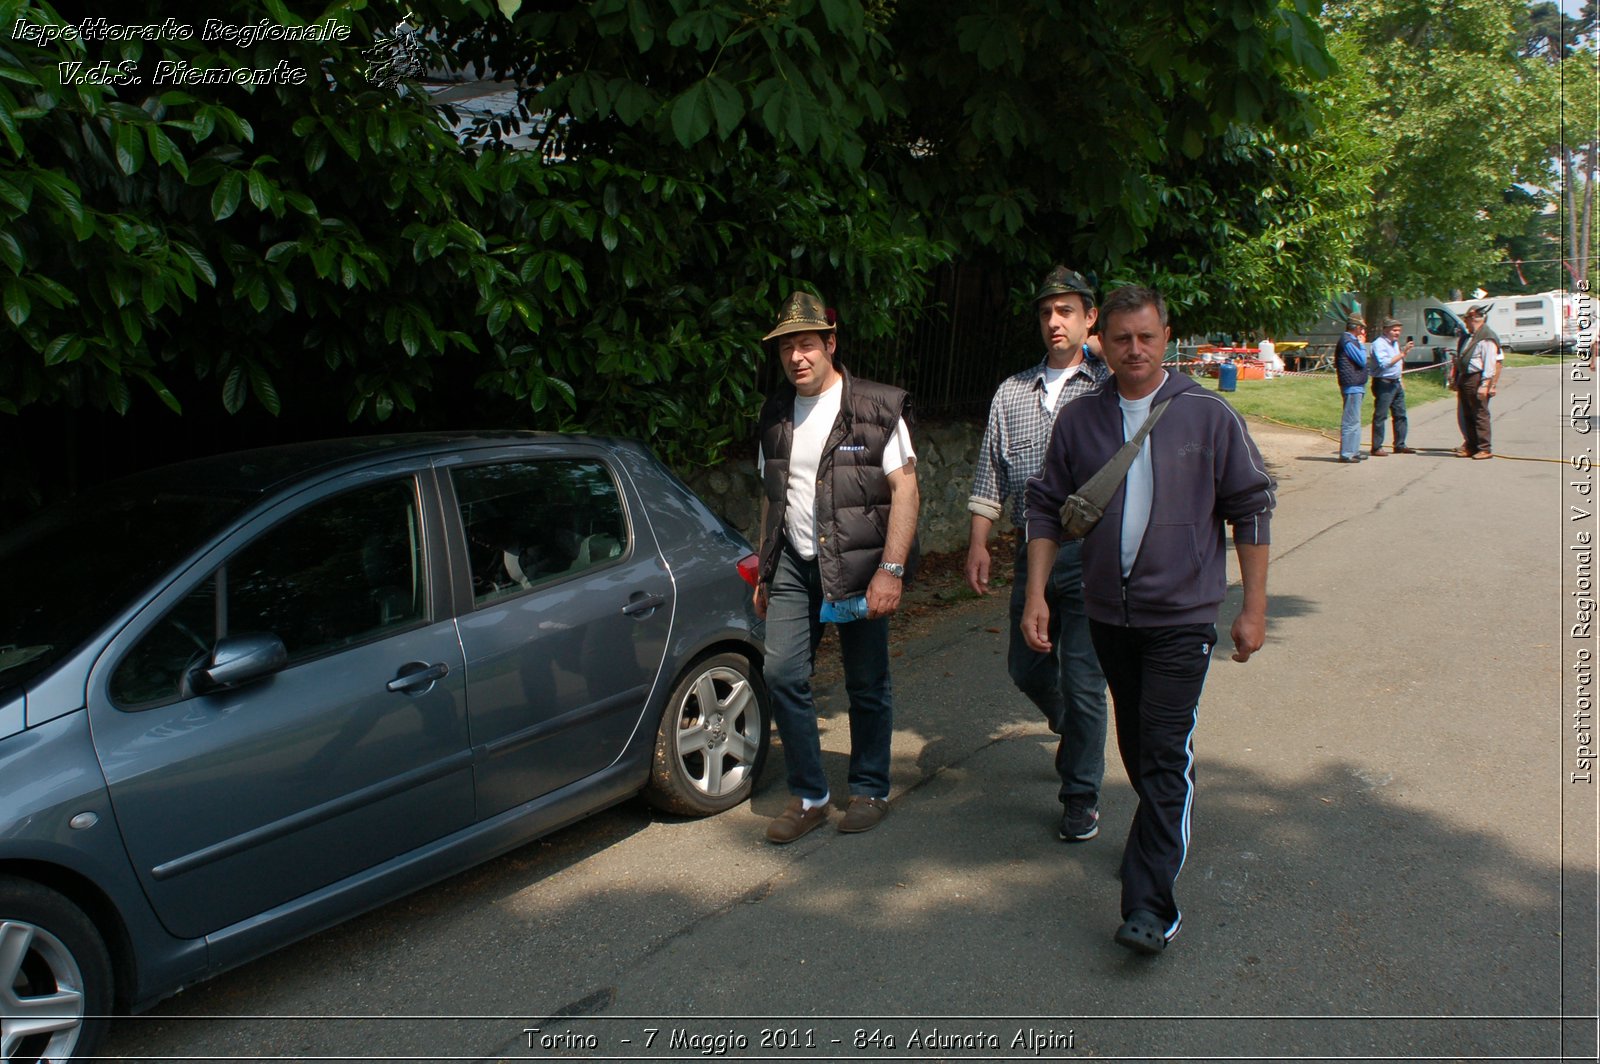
(1315, 402)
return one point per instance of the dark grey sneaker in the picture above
(1081, 820)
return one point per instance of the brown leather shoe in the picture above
(1379, 452)
(1483, 454)
(1462, 452)
(864, 813)
(1405, 450)
(796, 820)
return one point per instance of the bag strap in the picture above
(1099, 488)
(1464, 359)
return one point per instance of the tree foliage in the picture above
(333, 243)
(341, 245)
(1458, 118)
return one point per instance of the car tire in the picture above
(713, 738)
(48, 947)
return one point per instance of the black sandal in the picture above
(1142, 933)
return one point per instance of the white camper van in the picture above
(1539, 322)
(1427, 322)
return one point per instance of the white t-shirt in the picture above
(1139, 487)
(813, 421)
(1055, 379)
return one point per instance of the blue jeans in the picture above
(1388, 399)
(1066, 684)
(793, 631)
(1350, 425)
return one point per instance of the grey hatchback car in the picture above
(246, 697)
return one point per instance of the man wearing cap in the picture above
(1064, 681)
(1350, 363)
(838, 520)
(1475, 379)
(1388, 388)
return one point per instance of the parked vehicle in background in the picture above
(1544, 321)
(246, 697)
(1427, 321)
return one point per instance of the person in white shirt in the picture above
(1475, 379)
(838, 525)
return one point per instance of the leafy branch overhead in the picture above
(350, 245)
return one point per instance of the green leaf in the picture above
(844, 17)
(632, 101)
(256, 292)
(161, 390)
(18, 196)
(63, 191)
(691, 115)
(266, 394)
(225, 198)
(260, 189)
(642, 24)
(499, 313)
(117, 395)
(129, 149)
(726, 103)
(65, 348)
(18, 305)
(11, 252)
(235, 390)
(202, 265)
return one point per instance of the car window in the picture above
(1440, 323)
(531, 523)
(342, 571)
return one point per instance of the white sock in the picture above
(809, 804)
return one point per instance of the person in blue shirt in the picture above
(1350, 361)
(1388, 388)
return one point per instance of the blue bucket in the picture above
(1227, 377)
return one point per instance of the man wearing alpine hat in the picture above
(838, 521)
(1065, 682)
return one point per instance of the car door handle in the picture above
(641, 604)
(416, 674)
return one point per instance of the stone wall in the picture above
(946, 451)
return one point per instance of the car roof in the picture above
(264, 469)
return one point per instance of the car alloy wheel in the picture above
(55, 976)
(713, 738)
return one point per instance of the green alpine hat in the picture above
(802, 312)
(1062, 281)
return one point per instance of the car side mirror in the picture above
(238, 659)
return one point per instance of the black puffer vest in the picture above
(852, 491)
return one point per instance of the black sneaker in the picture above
(1081, 820)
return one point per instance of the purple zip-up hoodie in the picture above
(1206, 471)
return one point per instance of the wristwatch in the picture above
(894, 569)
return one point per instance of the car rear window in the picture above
(532, 523)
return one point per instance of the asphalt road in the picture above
(1389, 859)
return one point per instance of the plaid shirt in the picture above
(1018, 434)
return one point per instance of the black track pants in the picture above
(1155, 676)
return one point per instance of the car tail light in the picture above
(750, 569)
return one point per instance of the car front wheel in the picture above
(55, 976)
(713, 738)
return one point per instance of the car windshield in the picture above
(71, 567)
